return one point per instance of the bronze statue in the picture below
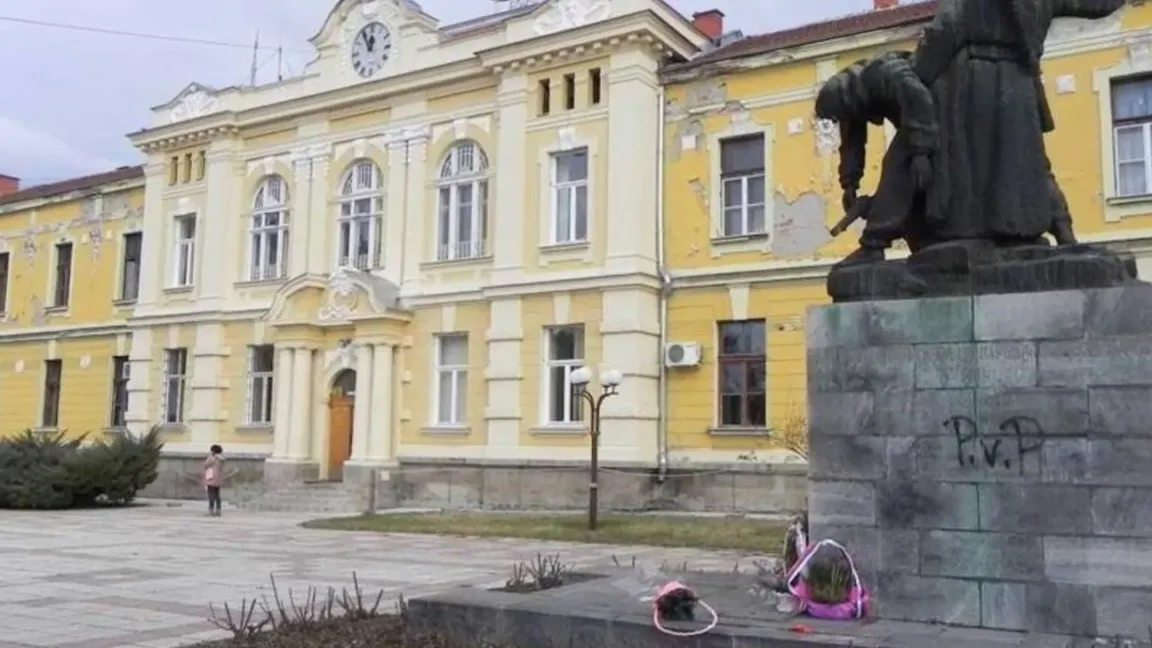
(873, 91)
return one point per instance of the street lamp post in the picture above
(610, 384)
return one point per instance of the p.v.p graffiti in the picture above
(1005, 446)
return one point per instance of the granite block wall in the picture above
(988, 459)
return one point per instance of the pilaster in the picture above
(630, 344)
(138, 417)
(397, 221)
(298, 226)
(508, 212)
(503, 413)
(207, 413)
(633, 116)
(283, 412)
(320, 227)
(362, 414)
(216, 228)
(301, 439)
(381, 422)
(152, 270)
(415, 243)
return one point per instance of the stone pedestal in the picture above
(988, 459)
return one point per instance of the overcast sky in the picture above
(71, 96)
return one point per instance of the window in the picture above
(50, 416)
(570, 196)
(4, 265)
(742, 178)
(1132, 126)
(62, 286)
(569, 91)
(545, 96)
(565, 354)
(361, 217)
(130, 272)
(187, 177)
(463, 203)
(451, 379)
(742, 374)
(184, 259)
(201, 165)
(174, 170)
(268, 239)
(121, 370)
(594, 89)
(260, 371)
(175, 375)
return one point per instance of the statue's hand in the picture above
(849, 199)
(921, 170)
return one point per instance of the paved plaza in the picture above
(144, 576)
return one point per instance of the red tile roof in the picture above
(905, 14)
(73, 184)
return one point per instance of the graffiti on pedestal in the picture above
(1005, 446)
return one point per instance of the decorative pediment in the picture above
(559, 15)
(194, 101)
(348, 16)
(347, 294)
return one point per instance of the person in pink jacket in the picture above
(213, 478)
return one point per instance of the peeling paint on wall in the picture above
(798, 228)
(685, 133)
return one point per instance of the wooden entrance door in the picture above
(340, 408)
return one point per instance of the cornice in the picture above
(587, 42)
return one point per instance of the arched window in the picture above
(462, 203)
(361, 220)
(268, 240)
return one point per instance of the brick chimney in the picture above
(879, 5)
(8, 184)
(711, 22)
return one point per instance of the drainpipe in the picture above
(665, 291)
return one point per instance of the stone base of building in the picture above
(985, 459)
(493, 485)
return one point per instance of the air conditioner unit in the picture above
(681, 354)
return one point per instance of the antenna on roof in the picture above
(255, 64)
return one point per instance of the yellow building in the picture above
(402, 254)
(750, 187)
(69, 272)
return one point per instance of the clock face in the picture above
(370, 49)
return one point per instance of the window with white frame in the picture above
(462, 203)
(184, 254)
(564, 354)
(261, 359)
(1132, 128)
(742, 184)
(570, 196)
(175, 377)
(268, 239)
(451, 379)
(361, 218)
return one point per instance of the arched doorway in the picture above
(341, 407)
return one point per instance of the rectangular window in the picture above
(130, 270)
(545, 96)
(260, 375)
(565, 354)
(184, 254)
(360, 233)
(121, 369)
(594, 89)
(742, 368)
(50, 416)
(174, 170)
(570, 196)
(4, 266)
(201, 164)
(742, 185)
(175, 376)
(187, 176)
(62, 286)
(1132, 129)
(569, 91)
(452, 379)
(463, 226)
